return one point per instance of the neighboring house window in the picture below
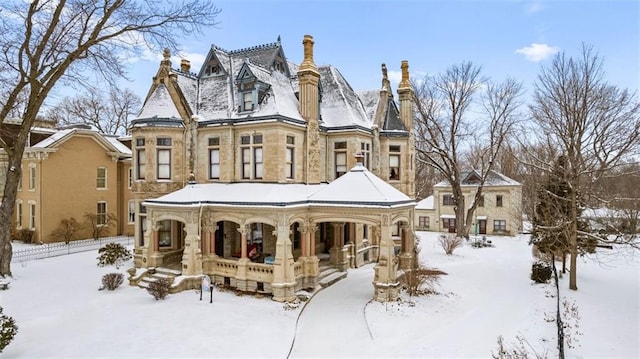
(447, 200)
(32, 215)
(499, 200)
(132, 211)
(101, 213)
(423, 222)
(394, 163)
(481, 201)
(32, 177)
(163, 146)
(290, 164)
(19, 214)
(164, 234)
(340, 149)
(448, 223)
(499, 225)
(365, 148)
(251, 152)
(130, 178)
(141, 159)
(214, 158)
(101, 178)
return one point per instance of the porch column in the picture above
(192, 255)
(335, 252)
(284, 281)
(154, 259)
(241, 274)
(309, 261)
(385, 282)
(406, 253)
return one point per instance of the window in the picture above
(101, 213)
(499, 200)
(132, 211)
(20, 180)
(164, 233)
(423, 222)
(247, 101)
(481, 201)
(214, 158)
(394, 163)
(395, 229)
(340, 149)
(32, 215)
(130, 178)
(499, 225)
(101, 178)
(365, 148)
(448, 223)
(19, 214)
(141, 159)
(164, 158)
(290, 164)
(32, 177)
(251, 156)
(447, 200)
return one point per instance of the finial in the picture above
(385, 78)
(405, 74)
(308, 48)
(278, 39)
(166, 53)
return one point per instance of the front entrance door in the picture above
(219, 239)
(482, 226)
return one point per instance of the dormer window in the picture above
(247, 101)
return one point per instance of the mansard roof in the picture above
(159, 105)
(340, 104)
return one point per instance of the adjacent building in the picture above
(499, 210)
(254, 169)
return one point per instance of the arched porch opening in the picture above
(167, 244)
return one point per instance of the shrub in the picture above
(159, 288)
(450, 242)
(67, 230)
(8, 330)
(113, 253)
(24, 235)
(540, 272)
(112, 281)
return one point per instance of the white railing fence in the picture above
(59, 249)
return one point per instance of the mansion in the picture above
(257, 172)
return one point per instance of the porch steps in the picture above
(329, 275)
(159, 273)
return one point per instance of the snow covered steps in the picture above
(329, 275)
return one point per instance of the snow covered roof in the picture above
(426, 203)
(159, 105)
(358, 187)
(111, 143)
(340, 104)
(471, 178)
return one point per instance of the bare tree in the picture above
(46, 42)
(460, 112)
(109, 112)
(593, 124)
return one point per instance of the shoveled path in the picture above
(333, 322)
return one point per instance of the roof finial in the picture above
(308, 49)
(386, 85)
(166, 53)
(405, 74)
(278, 39)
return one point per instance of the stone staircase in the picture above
(154, 274)
(329, 275)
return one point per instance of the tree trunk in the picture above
(14, 174)
(573, 242)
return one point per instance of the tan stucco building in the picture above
(67, 173)
(258, 172)
(499, 210)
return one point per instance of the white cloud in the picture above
(394, 77)
(533, 7)
(537, 52)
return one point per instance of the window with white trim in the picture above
(163, 148)
(394, 162)
(214, 157)
(32, 177)
(101, 178)
(19, 214)
(130, 177)
(141, 159)
(447, 200)
(131, 213)
(365, 148)
(340, 153)
(290, 164)
(32, 215)
(101, 213)
(499, 225)
(251, 156)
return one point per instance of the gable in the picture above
(212, 66)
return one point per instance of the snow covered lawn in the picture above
(486, 293)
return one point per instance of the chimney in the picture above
(405, 94)
(309, 100)
(185, 65)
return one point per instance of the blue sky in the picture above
(507, 38)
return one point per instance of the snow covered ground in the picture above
(486, 293)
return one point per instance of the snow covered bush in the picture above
(113, 253)
(112, 281)
(516, 351)
(540, 272)
(8, 330)
(450, 242)
(159, 288)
